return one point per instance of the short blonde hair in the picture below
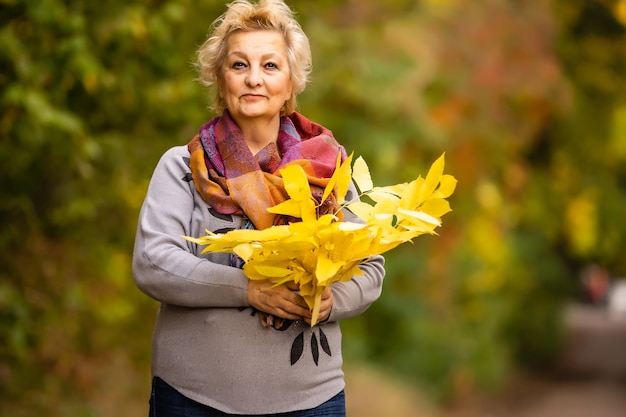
(243, 15)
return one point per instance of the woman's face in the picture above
(256, 75)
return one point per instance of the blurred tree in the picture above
(535, 200)
(588, 153)
(87, 98)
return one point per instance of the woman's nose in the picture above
(254, 77)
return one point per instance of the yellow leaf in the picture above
(351, 226)
(344, 176)
(413, 194)
(326, 269)
(361, 209)
(432, 178)
(419, 215)
(244, 251)
(316, 308)
(300, 209)
(353, 271)
(226, 242)
(296, 182)
(436, 207)
(251, 272)
(340, 180)
(272, 271)
(447, 186)
(307, 289)
(356, 247)
(293, 245)
(361, 175)
(388, 206)
(414, 227)
(379, 194)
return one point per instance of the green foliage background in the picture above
(527, 99)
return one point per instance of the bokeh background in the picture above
(526, 98)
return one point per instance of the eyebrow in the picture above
(264, 56)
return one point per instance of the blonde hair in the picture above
(243, 15)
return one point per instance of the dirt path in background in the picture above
(372, 395)
(550, 397)
(590, 381)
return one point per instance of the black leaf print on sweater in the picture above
(225, 217)
(297, 347)
(188, 177)
(223, 230)
(324, 342)
(314, 349)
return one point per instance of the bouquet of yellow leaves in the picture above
(318, 251)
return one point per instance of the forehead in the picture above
(258, 42)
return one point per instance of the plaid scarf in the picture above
(234, 181)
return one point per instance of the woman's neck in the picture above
(258, 133)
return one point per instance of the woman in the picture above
(212, 356)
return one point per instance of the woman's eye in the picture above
(271, 65)
(238, 65)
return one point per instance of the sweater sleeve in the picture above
(164, 265)
(353, 297)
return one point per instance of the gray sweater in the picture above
(208, 342)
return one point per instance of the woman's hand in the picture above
(281, 302)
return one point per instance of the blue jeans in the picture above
(165, 401)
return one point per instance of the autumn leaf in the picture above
(301, 204)
(343, 176)
(361, 175)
